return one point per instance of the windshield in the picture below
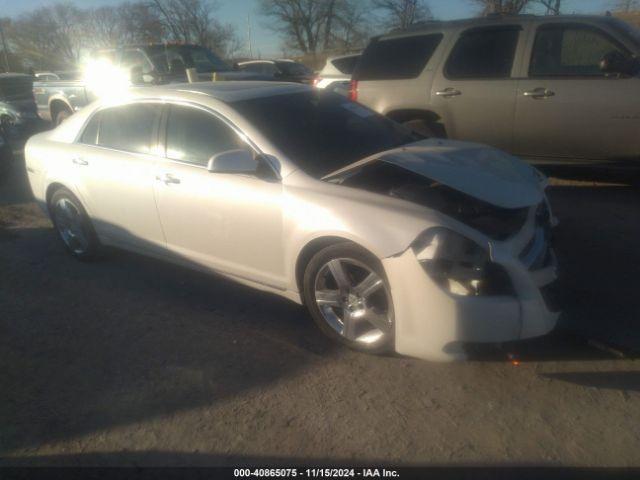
(293, 68)
(188, 56)
(322, 131)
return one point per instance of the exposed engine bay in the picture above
(395, 181)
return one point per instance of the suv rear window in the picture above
(483, 53)
(396, 58)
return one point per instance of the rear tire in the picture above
(61, 116)
(425, 128)
(73, 225)
(364, 298)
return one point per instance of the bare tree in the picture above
(50, 37)
(313, 25)
(627, 5)
(402, 13)
(505, 7)
(193, 21)
(552, 6)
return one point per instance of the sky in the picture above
(266, 43)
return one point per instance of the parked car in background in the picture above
(58, 99)
(336, 71)
(143, 64)
(553, 88)
(18, 112)
(282, 70)
(391, 241)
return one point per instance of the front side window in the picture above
(194, 136)
(570, 51)
(483, 53)
(396, 58)
(130, 127)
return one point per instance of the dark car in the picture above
(18, 112)
(281, 70)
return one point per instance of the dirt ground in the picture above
(128, 361)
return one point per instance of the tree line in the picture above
(55, 37)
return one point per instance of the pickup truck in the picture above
(147, 65)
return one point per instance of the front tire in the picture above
(347, 294)
(73, 225)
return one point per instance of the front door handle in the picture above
(448, 92)
(168, 178)
(539, 93)
(80, 161)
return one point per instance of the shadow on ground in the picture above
(85, 347)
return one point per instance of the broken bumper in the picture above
(432, 324)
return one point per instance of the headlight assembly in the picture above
(459, 265)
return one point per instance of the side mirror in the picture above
(233, 161)
(618, 63)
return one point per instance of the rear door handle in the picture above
(539, 93)
(80, 161)
(448, 92)
(168, 178)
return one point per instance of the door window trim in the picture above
(578, 26)
(162, 133)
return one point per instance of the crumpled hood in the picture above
(483, 172)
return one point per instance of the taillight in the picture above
(353, 91)
(315, 81)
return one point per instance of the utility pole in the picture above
(4, 48)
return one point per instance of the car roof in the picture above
(225, 91)
(491, 20)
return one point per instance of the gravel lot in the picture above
(128, 361)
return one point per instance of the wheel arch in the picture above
(312, 247)
(56, 105)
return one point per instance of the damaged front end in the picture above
(482, 281)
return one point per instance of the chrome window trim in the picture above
(165, 102)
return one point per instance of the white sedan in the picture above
(393, 242)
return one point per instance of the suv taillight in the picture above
(353, 90)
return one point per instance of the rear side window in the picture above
(129, 128)
(396, 58)
(90, 133)
(570, 51)
(346, 65)
(194, 136)
(483, 53)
